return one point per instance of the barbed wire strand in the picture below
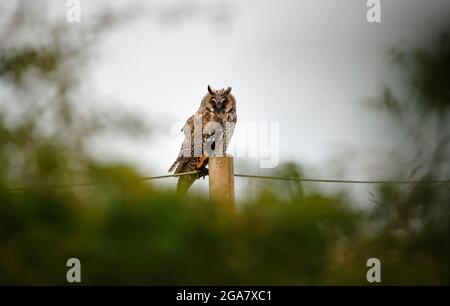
(18, 189)
(169, 175)
(343, 181)
(269, 177)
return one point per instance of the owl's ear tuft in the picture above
(228, 90)
(210, 90)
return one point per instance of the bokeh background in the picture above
(103, 101)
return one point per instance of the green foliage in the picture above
(17, 64)
(126, 232)
(135, 235)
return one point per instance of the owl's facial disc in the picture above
(219, 102)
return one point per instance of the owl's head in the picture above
(219, 100)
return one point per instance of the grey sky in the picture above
(309, 65)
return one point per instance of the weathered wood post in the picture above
(221, 181)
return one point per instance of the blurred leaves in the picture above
(47, 117)
(430, 76)
(427, 74)
(125, 232)
(412, 224)
(390, 103)
(421, 104)
(146, 237)
(17, 63)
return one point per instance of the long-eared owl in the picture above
(207, 134)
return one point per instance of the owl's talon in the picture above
(203, 172)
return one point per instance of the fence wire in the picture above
(265, 177)
(343, 181)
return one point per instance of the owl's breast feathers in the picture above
(193, 155)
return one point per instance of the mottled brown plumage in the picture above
(207, 133)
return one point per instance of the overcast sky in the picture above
(309, 66)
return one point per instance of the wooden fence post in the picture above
(221, 181)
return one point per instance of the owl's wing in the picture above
(192, 147)
(186, 150)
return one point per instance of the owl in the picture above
(207, 133)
